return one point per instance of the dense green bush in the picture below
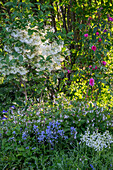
(31, 49)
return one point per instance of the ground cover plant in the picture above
(56, 103)
(77, 131)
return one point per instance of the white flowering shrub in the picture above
(28, 47)
(97, 140)
(29, 58)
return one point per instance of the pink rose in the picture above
(97, 33)
(110, 19)
(104, 63)
(99, 40)
(93, 48)
(91, 82)
(85, 35)
(90, 66)
(68, 71)
(95, 67)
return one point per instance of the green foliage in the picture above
(74, 28)
(23, 144)
(45, 129)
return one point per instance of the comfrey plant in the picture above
(97, 140)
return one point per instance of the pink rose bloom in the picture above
(97, 33)
(95, 67)
(93, 48)
(90, 66)
(85, 35)
(91, 82)
(99, 40)
(110, 19)
(68, 71)
(104, 63)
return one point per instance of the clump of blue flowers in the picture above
(51, 134)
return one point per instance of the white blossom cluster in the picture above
(97, 140)
(32, 50)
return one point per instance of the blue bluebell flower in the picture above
(13, 107)
(73, 130)
(4, 118)
(35, 128)
(27, 147)
(41, 137)
(65, 137)
(4, 111)
(56, 137)
(50, 123)
(48, 127)
(57, 125)
(48, 131)
(91, 166)
(13, 132)
(11, 138)
(61, 132)
(24, 135)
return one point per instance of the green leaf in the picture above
(30, 32)
(103, 81)
(55, 79)
(18, 155)
(62, 74)
(21, 149)
(95, 30)
(14, 14)
(48, 58)
(69, 35)
(42, 57)
(9, 4)
(20, 58)
(7, 59)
